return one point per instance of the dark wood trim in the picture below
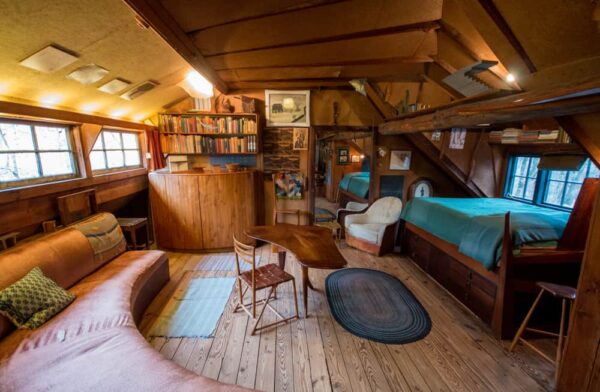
(153, 12)
(312, 145)
(420, 26)
(580, 137)
(38, 113)
(381, 106)
(452, 93)
(344, 63)
(294, 8)
(494, 13)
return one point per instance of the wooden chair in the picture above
(565, 293)
(277, 213)
(267, 276)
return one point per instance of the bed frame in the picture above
(344, 197)
(501, 297)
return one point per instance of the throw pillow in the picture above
(33, 300)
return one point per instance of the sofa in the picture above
(94, 343)
(374, 230)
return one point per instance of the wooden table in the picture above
(131, 225)
(312, 246)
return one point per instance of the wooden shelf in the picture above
(211, 114)
(209, 134)
(211, 154)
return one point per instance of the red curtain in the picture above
(156, 157)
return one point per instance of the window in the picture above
(553, 188)
(32, 153)
(115, 150)
(562, 187)
(524, 177)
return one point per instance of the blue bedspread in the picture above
(476, 225)
(356, 183)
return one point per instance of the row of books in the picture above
(194, 144)
(206, 124)
(522, 136)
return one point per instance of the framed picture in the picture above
(300, 139)
(400, 160)
(289, 185)
(287, 108)
(355, 158)
(343, 156)
(457, 138)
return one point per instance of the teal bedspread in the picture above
(356, 183)
(476, 225)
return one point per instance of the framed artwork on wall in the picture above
(343, 156)
(420, 188)
(300, 138)
(355, 158)
(400, 160)
(457, 138)
(289, 186)
(288, 108)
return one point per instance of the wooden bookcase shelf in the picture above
(212, 134)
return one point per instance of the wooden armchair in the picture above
(268, 276)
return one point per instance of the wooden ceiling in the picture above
(312, 43)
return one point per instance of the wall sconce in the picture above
(382, 151)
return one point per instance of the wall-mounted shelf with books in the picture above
(209, 133)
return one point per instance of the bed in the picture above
(489, 253)
(354, 187)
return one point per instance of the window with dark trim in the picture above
(34, 153)
(551, 188)
(115, 150)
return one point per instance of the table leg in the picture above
(281, 259)
(305, 283)
(133, 239)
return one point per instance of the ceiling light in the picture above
(362, 156)
(114, 86)
(90, 107)
(118, 113)
(519, 100)
(3, 88)
(139, 117)
(510, 78)
(200, 84)
(51, 99)
(49, 59)
(88, 74)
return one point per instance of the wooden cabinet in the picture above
(201, 211)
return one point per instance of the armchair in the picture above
(373, 231)
(352, 207)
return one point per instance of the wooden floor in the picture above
(317, 354)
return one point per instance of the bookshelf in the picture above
(209, 133)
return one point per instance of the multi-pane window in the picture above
(115, 150)
(555, 188)
(562, 187)
(524, 177)
(33, 153)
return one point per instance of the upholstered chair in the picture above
(373, 231)
(352, 207)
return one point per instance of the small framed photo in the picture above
(300, 138)
(400, 160)
(343, 157)
(355, 158)
(289, 108)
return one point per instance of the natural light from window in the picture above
(35, 153)
(563, 186)
(114, 150)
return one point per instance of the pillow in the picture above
(33, 300)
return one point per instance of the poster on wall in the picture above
(289, 186)
(457, 138)
(400, 160)
(300, 138)
(287, 108)
(343, 156)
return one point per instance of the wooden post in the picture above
(580, 368)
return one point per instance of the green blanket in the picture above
(476, 225)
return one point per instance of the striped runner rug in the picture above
(222, 262)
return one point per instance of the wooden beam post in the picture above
(386, 110)
(580, 136)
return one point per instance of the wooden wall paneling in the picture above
(582, 137)
(580, 364)
(160, 212)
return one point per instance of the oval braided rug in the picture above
(376, 306)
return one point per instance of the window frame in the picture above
(124, 168)
(546, 186)
(541, 184)
(41, 180)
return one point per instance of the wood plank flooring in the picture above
(317, 354)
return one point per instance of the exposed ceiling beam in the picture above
(163, 23)
(344, 135)
(345, 63)
(464, 44)
(581, 137)
(385, 109)
(515, 108)
(494, 13)
(452, 93)
(293, 8)
(406, 28)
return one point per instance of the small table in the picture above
(6, 239)
(131, 226)
(333, 226)
(312, 246)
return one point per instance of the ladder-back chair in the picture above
(259, 278)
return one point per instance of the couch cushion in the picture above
(33, 300)
(105, 236)
(94, 345)
(370, 232)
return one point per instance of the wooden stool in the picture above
(9, 239)
(131, 226)
(566, 293)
